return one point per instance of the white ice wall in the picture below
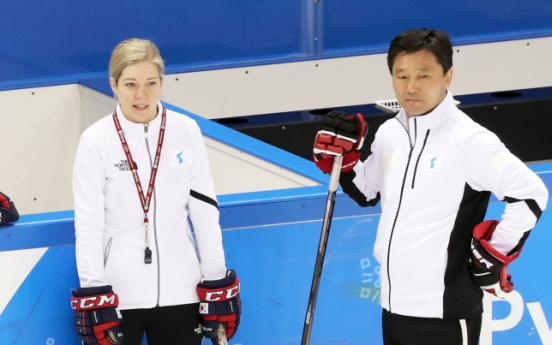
(353, 80)
(21, 263)
(41, 129)
(235, 171)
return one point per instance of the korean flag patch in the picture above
(204, 308)
(434, 164)
(180, 158)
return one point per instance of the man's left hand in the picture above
(489, 266)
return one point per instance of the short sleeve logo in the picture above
(389, 159)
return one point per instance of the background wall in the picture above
(355, 80)
(40, 130)
(256, 56)
(63, 37)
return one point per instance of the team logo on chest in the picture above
(180, 158)
(432, 163)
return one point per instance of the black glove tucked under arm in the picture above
(489, 266)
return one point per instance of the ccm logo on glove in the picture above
(213, 296)
(220, 307)
(93, 302)
(95, 316)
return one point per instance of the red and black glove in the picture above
(489, 266)
(8, 212)
(96, 317)
(340, 134)
(220, 304)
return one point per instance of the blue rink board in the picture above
(275, 262)
(210, 34)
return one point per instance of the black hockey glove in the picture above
(8, 212)
(340, 134)
(220, 304)
(96, 316)
(489, 266)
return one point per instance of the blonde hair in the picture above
(131, 51)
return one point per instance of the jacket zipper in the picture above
(107, 250)
(192, 241)
(398, 209)
(418, 160)
(154, 221)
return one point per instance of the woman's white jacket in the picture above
(109, 229)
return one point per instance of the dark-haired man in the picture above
(433, 169)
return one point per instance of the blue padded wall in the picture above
(371, 24)
(61, 38)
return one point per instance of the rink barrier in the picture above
(270, 238)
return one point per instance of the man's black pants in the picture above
(407, 330)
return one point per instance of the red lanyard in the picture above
(145, 200)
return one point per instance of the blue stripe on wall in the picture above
(63, 38)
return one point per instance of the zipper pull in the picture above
(146, 130)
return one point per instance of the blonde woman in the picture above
(141, 181)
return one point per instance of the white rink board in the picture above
(478, 68)
(43, 127)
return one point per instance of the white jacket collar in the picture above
(431, 119)
(129, 125)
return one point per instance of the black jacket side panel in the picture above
(462, 298)
(348, 186)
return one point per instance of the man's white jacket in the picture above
(434, 175)
(110, 235)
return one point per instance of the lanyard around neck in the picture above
(144, 199)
